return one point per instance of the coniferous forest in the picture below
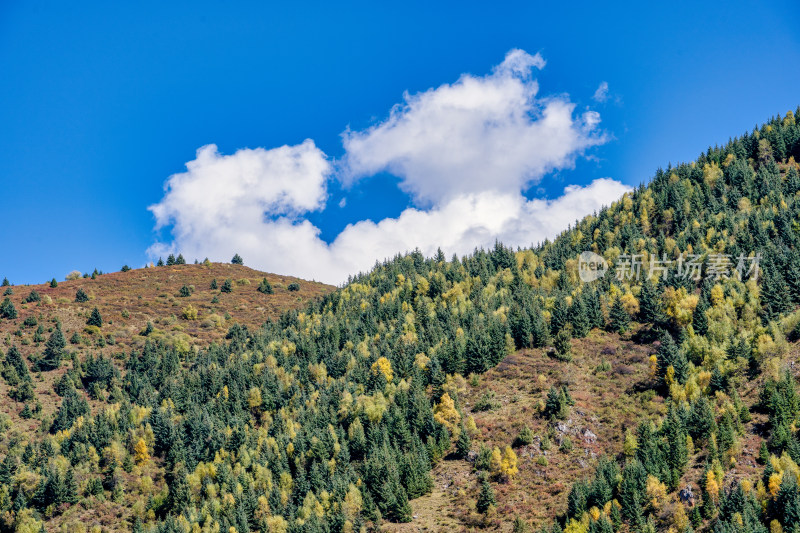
(333, 416)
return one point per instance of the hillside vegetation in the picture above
(332, 417)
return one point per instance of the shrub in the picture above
(190, 313)
(75, 274)
(237, 260)
(487, 402)
(213, 285)
(566, 445)
(264, 287)
(81, 296)
(33, 296)
(243, 281)
(525, 437)
(185, 291)
(294, 286)
(30, 322)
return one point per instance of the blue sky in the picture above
(100, 103)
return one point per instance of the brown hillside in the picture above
(127, 301)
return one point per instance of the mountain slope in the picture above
(331, 418)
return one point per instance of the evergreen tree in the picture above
(486, 497)
(669, 355)
(53, 350)
(180, 260)
(649, 303)
(7, 310)
(6, 283)
(619, 317)
(463, 443)
(185, 291)
(170, 260)
(539, 333)
(578, 319)
(53, 283)
(558, 318)
(227, 286)
(95, 319)
(237, 260)
(160, 262)
(563, 345)
(699, 319)
(81, 296)
(213, 285)
(264, 287)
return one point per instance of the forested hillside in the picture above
(330, 418)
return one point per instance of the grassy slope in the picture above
(146, 295)
(607, 403)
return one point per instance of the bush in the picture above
(75, 274)
(265, 287)
(33, 296)
(525, 437)
(294, 286)
(30, 322)
(566, 445)
(242, 282)
(190, 313)
(487, 402)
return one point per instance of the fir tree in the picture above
(170, 260)
(578, 319)
(6, 283)
(486, 497)
(95, 319)
(227, 286)
(180, 260)
(213, 285)
(81, 296)
(53, 283)
(160, 262)
(463, 443)
(619, 318)
(558, 318)
(699, 319)
(237, 260)
(53, 350)
(7, 310)
(649, 303)
(563, 345)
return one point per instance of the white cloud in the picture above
(465, 150)
(601, 94)
(479, 133)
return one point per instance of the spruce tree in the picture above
(213, 285)
(95, 319)
(563, 345)
(699, 319)
(649, 303)
(170, 260)
(53, 351)
(81, 296)
(237, 260)
(7, 310)
(160, 262)
(227, 286)
(463, 444)
(6, 283)
(619, 319)
(578, 319)
(53, 283)
(539, 333)
(558, 318)
(486, 497)
(180, 260)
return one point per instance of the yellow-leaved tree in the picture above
(383, 366)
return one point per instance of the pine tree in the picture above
(160, 262)
(669, 355)
(53, 350)
(264, 287)
(213, 285)
(53, 283)
(6, 283)
(227, 286)
(649, 303)
(81, 296)
(619, 319)
(170, 260)
(563, 345)
(539, 333)
(7, 310)
(558, 318)
(699, 319)
(185, 291)
(180, 260)
(578, 319)
(486, 498)
(463, 444)
(95, 319)
(237, 260)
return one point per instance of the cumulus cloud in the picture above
(479, 133)
(465, 151)
(601, 94)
